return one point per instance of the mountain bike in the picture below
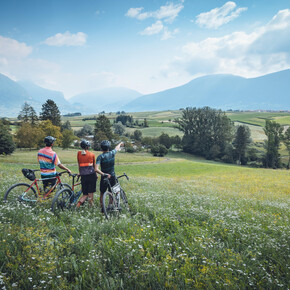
(114, 199)
(66, 198)
(31, 193)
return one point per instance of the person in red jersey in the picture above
(87, 171)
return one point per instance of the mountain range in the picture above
(268, 92)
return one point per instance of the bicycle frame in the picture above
(35, 182)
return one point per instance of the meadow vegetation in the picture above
(192, 224)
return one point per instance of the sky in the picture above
(77, 46)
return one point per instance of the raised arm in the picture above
(118, 147)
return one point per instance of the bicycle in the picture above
(31, 193)
(66, 198)
(114, 199)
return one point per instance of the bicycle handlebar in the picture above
(124, 174)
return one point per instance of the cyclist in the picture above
(106, 161)
(87, 171)
(48, 159)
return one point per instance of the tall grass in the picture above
(191, 225)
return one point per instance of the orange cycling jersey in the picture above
(86, 161)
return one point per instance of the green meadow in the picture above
(162, 121)
(192, 224)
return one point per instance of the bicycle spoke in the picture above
(21, 192)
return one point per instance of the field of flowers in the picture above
(191, 224)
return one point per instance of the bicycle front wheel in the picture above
(110, 206)
(123, 201)
(62, 200)
(21, 192)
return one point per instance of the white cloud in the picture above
(265, 50)
(219, 16)
(11, 48)
(155, 28)
(67, 39)
(167, 34)
(167, 12)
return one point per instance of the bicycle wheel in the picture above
(123, 201)
(110, 206)
(62, 200)
(21, 192)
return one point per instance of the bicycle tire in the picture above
(20, 192)
(123, 201)
(62, 200)
(110, 206)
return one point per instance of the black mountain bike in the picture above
(114, 199)
(67, 198)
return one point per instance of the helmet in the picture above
(85, 144)
(105, 145)
(48, 140)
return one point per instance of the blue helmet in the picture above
(105, 145)
(85, 144)
(48, 140)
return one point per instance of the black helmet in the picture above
(85, 144)
(48, 140)
(105, 145)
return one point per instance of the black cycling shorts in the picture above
(89, 183)
(104, 183)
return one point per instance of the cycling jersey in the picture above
(87, 161)
(107, 162)
(47, 159)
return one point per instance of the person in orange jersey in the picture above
(87, 171)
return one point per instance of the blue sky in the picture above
(80, 46)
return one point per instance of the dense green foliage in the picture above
(207, 132)
(126, 120)
(102, 131)
(28, 114)
(50, 111)
(7, 145)
(273, 131)
(241, 142)
(191, 225)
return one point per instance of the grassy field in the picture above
(192, 224)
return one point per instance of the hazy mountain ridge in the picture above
(13, 95)
(108, 99)
(270, 92)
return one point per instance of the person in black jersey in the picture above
(106, 166)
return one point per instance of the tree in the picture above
(176, 141)
(85, 131)
(241, 142)
(28, 114)
(51, 112)
(119, 128)
(7, 145)
(137, 135)
(126, 120)
(165, 140)
(28, 136)
(103, 131)
(273, 131)
(66, 126)
(68, 137)
(146, 123)
(159, 150)
(48, 129)
(203, 128)
(286, 141)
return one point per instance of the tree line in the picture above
(206, 132)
